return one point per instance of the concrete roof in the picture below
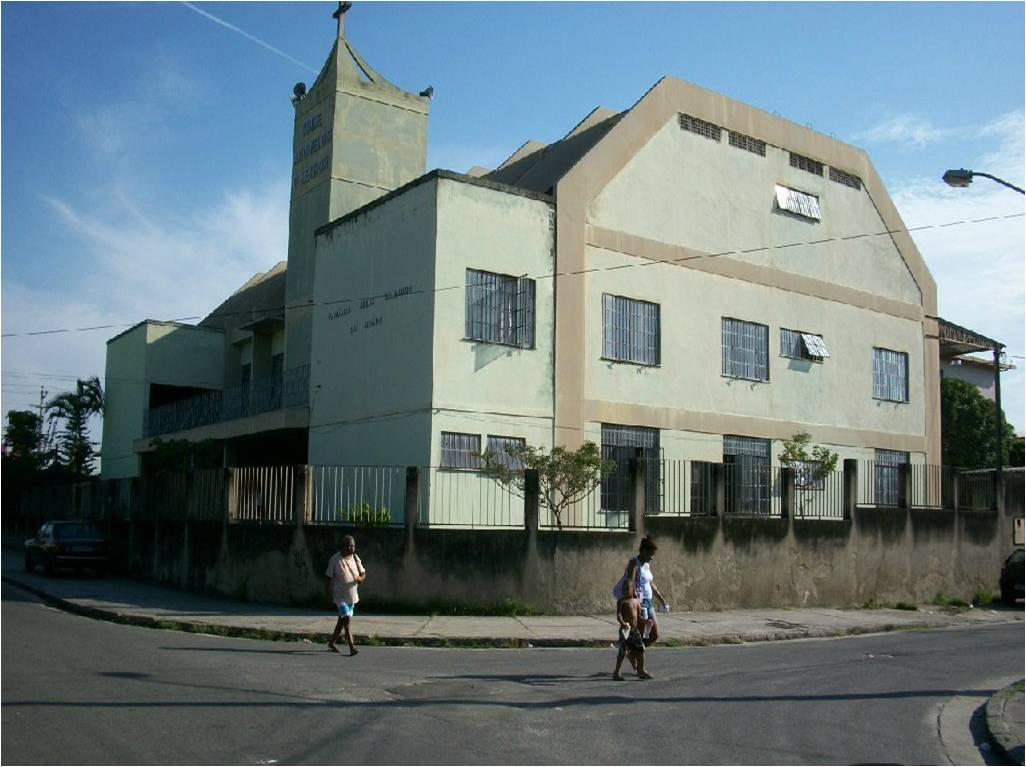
(537, 167)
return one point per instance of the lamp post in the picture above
(962, 178)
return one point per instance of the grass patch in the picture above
(943, 600)
(508, 608)
(984, 597)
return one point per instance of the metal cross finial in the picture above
(340, 14)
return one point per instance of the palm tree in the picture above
(73, 409)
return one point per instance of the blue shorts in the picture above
(646, 611)
(345, 610)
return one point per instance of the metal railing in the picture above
(467, 499)
(819, 497)
(263, 494)
(374, 496)
(289, 389)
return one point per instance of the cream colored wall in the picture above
(837, 392)
(371, 359)
(151, 353)
(126, 395)
(684, 189)
(481, 228)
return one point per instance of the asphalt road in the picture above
(80, 691)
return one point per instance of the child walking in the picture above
(345, 572)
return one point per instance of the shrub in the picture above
(364, 515)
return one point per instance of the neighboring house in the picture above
(692, 276)
(979, 372)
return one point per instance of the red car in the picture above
(75, 544)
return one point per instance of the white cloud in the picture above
(134, 264)
(907, 130)
(979, 267)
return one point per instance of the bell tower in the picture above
(356, 137)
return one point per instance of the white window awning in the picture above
(800, 203)
(815, 345)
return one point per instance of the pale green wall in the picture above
(836, 392)
(481, 228)
(151, 353)
(687, 190)
(126, 392)
(383, 369)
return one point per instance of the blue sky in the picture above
(146, 147)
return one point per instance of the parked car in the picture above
(72, 544)
(1012, 578)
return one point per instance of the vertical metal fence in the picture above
(468, 499)
(819, 497)
(358, 495)
(264, 494)
(206, 499)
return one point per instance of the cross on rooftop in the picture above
(340, 14)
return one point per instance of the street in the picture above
(82, 691)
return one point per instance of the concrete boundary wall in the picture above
(880, 556)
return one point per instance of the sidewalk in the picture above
(142, 603)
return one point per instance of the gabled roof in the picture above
(537, 167)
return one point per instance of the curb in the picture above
(245, 632)
(1007, 743)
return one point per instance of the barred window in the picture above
(887, 475)
(701, 127)
(500, 446)
(803, 346)
(807, 164)
(800, 203)
(890, 375)
(848, 179)
(460, 451)
(745, 349)
(630, 330)
(753, 145)
(499, 309)
(618, 444)
(748, 474)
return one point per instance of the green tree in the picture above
(23, 439)
(968, 428)
(72, 411)
(811, 463)
(564, 476)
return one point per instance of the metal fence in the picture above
(357, 495)
(819, 497)
(467, 499)
(929, 486)
(976, 490)
(263, 494)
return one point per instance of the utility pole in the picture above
(42, 399)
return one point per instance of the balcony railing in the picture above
(288, 389)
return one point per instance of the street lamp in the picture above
(962, 178)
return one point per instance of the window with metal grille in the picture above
(803, 346)
(887, 475)
(848, 179)
(630, 330)
(745, 349)
(800, 203)
(749, 144)
(460, 451)
(701, 127)
(749, 476)
(890, 375)
(807, 164)
(618, 444)
(499, 309)
(500, 446)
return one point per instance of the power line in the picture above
(553, 275)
